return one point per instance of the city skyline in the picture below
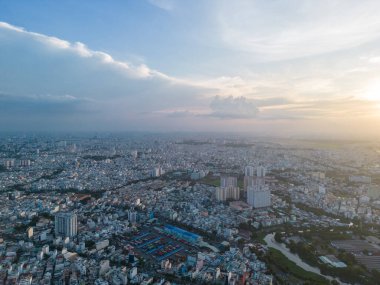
(285, 68)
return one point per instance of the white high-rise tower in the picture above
(66, 224)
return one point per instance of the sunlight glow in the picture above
(373, 92)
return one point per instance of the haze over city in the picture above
(285, 68)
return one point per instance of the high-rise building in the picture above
(228, 189)
(221, 193)
(132, 216)
(66, 224)
(9, 163)
(157, 172)
(24, 162)
(233, 193)
(250, 177)
(134, 154)
(249, 171)
(228, 181)
(261, 171)
(258, 196)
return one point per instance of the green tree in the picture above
(278, 237)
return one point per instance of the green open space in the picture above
(277, 260)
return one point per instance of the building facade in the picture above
(66, 224)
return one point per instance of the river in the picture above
(269, 239)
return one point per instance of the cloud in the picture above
(375, 59)
(38, 71)
(181, 114)
(338, 108)
(43, 104)
(10, 27)
(78, 49)
(283, 30)
(233, 108)
(48, 83)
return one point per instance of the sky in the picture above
(270, 67)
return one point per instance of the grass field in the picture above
(211, 180)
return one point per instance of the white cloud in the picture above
(281, 30)
(375, 59)
(58, 43)
(82, 50)
(10, 27)
(38, 71)
(233, 108)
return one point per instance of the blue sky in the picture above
(129, 30)
(284, 67)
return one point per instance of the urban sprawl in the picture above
(170, 209)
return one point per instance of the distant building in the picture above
(9, 163)
(249, 171)
(134, 154)
(360, 179)
(221, 194)
(333, 261)
(258, 194)
(261, 171)
(14, 195)
(66, 224)
(29, 232)
(374, 192)
(157, 172)
(322, 189)
(24, 162)
(132, 217)
(318, 175)
(104, 267)
(224, 193)
(197, 175)
(102, 244)
(183, 234)
(250, 176)
(228, 189)
(132, 272)
(228, 181)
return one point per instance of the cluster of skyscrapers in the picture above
(256, 191)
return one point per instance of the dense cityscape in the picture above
(171, 209)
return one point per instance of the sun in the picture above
(373, 92)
